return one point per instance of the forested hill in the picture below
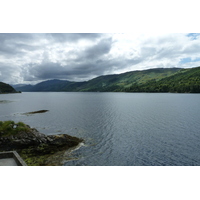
(184, 81)
(116, 82)
(6, 88)
(152, 80)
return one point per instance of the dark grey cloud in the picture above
(44, 71)
(82, 56)
(5, 72)
(15, 47)
(16, 43)
(16, 37)
(88, 61)
(72, 37)
(38, 56)
(98, 50)
(92, 68)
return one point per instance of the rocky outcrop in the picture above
(32, 143)
(35, 112)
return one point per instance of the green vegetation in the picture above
(34, 147)
(108, 83)
(121, 82)
(8, 128)
(152, 80)
(32, 157)
(42, 155)
(184, 81)
(6, 88)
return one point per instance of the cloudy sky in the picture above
(32, 58)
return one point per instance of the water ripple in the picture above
(118, 128)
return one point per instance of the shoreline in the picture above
(35, 148)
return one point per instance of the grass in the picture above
(32, 158)
(11, 128)
(35, 155)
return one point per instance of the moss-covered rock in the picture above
(34, 147)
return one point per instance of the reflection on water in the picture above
(118, 128)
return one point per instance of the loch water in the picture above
(119, 129)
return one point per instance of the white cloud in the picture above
(37, 57)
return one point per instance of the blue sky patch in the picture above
(188, 59)
(193, 36)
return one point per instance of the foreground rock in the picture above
(34, 147)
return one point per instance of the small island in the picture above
(35, 148)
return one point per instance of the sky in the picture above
(27, 58)
(160, 34)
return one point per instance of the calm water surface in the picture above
(118, 128)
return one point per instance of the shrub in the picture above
(10, 127)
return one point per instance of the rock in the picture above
(32, 143)
(36, 112)
(24, 139)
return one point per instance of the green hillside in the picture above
(6, 88)
(151, 80)
(122, 82)
(184, 81)
(117, 82)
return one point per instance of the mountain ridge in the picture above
(150, 80)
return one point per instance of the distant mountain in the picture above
(23, 87)
(18, 85)
(50, 85)
(6, 88)
(45, 86)
(151, 80)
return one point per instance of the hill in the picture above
(121, 82)
(116, 82)
(45, 86)
(151, 80)
(6, 88)
(184, 81)
(50, 85)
